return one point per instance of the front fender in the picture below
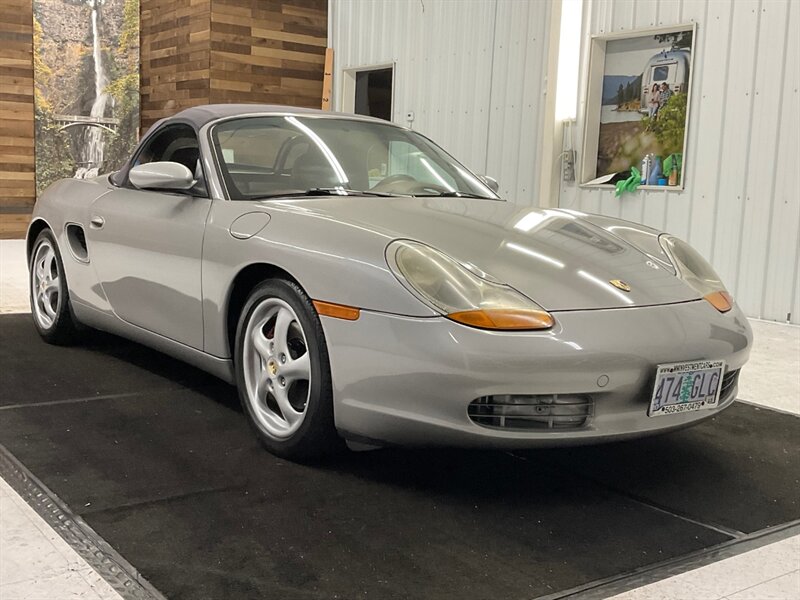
(333, 261)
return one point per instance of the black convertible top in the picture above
(198, 116)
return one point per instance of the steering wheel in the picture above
(391, 181)
(405, 184)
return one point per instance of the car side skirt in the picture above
(219, 367)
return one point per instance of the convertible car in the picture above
(357, 283)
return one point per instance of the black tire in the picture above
(316, 436)
(63, 328)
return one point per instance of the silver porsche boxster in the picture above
(355, 282)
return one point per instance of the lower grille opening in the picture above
(531, 412)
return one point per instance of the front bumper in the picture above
(404, 380)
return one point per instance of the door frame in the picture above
(347, 93)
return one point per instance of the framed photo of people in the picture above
(637, 106)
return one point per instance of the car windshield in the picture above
(279, 156)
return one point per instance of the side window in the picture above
(175, 143)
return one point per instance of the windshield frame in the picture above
(209, 139)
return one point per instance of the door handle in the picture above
(97, 222)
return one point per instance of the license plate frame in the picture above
(677, 388)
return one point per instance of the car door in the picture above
(146, 245)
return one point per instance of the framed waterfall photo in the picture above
(86, 94)
(637, 107)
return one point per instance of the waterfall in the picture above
(92, 155)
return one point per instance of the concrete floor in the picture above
(36, 563)
(772, 376)
(13, 277)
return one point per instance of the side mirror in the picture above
(491, 183)
(163, 175)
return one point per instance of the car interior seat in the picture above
(312, 169)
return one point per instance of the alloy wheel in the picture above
(277, 368)
(45, 284)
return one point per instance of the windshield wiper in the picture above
(454, 194)
(324, 191)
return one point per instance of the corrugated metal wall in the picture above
(472, 71)
(741, 203)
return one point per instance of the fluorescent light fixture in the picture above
(569, 48)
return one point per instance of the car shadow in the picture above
(163, 365)
(616, 467)
(448, 468)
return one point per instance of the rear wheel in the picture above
(49, 293)
(283, 372)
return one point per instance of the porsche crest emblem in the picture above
(620, 285)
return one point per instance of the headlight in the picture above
(463, 294)
(696, 271)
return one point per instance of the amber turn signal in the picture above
(504, 319)
(722, 301)
(338, 311)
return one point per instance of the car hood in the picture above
(559, 259)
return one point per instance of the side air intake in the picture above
(77, 242)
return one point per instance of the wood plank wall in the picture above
(175, 56)
(17, 185)
(228, 51)
(268, 51)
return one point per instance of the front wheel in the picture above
(283, 372)
(49, 293)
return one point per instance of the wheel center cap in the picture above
(273, 367)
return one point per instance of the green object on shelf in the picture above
(673, 159)
(630, 184)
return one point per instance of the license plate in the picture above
(685, 387)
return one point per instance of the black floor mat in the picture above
(164, 467)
